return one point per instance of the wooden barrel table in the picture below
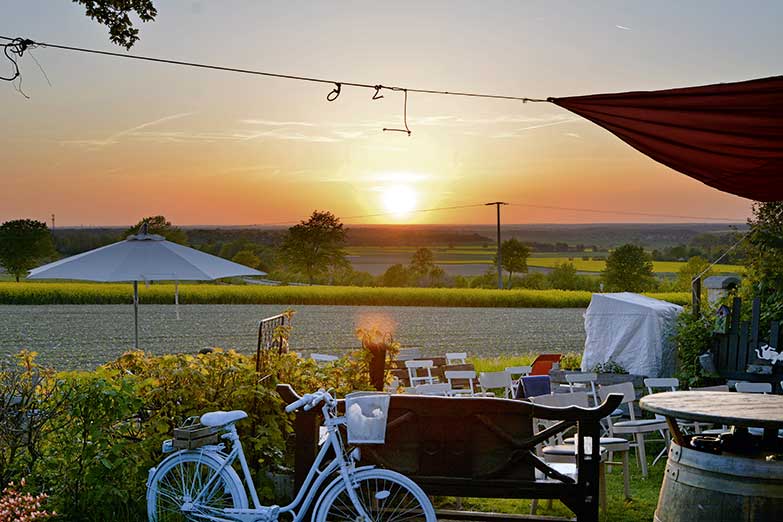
(738, 483)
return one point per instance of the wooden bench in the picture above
(475, 447)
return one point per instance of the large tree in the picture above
(765, 260)
(315, 245)
(116, 15)
(513, 257)
(24, 243)
(422, 262)
(629, 269)
(159, 225)
(696, 265)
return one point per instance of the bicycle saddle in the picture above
(221, 418)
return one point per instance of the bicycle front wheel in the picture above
(383, 495)
(178, 491)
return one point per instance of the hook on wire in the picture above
(377, 95)
(335, 92)
(404, 115)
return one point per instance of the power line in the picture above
(624, 212)
(475, 205)
(381, 214)
(333, 95)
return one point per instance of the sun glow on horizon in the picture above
(399, 200)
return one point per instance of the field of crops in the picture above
(368, 258)
(84, 336)
(28, 293)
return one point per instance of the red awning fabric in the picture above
(728, 136)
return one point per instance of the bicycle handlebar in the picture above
(305, 399)
(309, 401)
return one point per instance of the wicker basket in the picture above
(192, 434)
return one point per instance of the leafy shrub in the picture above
(96, 434)
(571, 361)
(692, 336)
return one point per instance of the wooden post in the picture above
(499, 259)
(696, 296)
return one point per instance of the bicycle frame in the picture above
(312, 483)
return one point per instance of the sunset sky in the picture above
(114, 140)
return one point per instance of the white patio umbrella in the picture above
(142, 257)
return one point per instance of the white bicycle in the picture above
(202, 484)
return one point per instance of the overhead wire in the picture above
(334, 93)
(457, 207)
(623, 212)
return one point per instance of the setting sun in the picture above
(399, 199)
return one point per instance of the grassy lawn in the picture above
(640, 508)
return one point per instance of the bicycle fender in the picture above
(336, 481)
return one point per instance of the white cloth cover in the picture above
(632, 330)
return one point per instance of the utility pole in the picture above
(52, 221)
(500, 264)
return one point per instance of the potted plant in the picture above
(376, 346)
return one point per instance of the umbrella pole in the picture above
(136, 313)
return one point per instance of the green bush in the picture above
(692, 336)
(96, 434)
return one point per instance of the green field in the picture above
(114, 293)
(479, 255)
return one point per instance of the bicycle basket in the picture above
(366, 414)
(192, 434)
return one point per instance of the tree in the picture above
(24, 243)
(629, 269)
(247, 258)
(437, 276)
(765, 261)
(695, 266)
(422, 262)
(396, 275)
(563, 277)
(159, 225)
(514, 256)
(114, 14)
(315, 245)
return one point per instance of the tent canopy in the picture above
(728, 136)
(632, 330)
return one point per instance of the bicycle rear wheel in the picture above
(180, 479)
(384, 495)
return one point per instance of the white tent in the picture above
(142, 257)
(632, 330)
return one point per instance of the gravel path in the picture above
(84, 336)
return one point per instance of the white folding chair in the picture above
(456, 357)
(718, 388)
(323, 358)
(413, 372)
(636, 427)
(461, 375)
(753, 387)
(611, 444)
(408, 354)
(586, 381)
(558, 453)
(516, 372)
(441, 388)
(495, 381)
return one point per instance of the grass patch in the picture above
(640, 508)
(118, 293)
